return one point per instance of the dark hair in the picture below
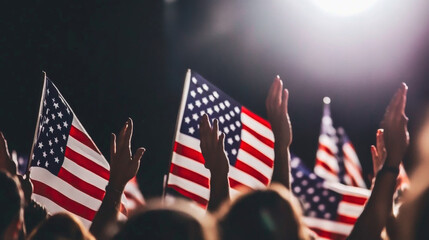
(169, 219)
(162, 224)
(262, 214)
(10, 200)
(61, 226)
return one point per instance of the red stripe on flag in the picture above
(328, 234)
(346, 219)
(189, 175)
(354, 199)
(251, 171)
(83, 138)
(326, 149)
(65, 202)
(256, 117)
(260, 156)
(203, 202)
(188, 152)
(86, 163)
(353, 164)
(261, 138)
(325, 166)
(81, 185)
(238, 185)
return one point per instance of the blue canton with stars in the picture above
(317, 201)
(203, 97)
(54, 127)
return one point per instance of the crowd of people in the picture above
(272, 213)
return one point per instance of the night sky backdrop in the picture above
(113, 59)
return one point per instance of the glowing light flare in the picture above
(344, 7)
(326, 100)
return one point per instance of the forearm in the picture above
(219, 191)
(281, 169)
(378, 208)
(107, 213)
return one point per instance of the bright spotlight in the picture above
(326, 100)
(344, 7)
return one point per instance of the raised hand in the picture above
(378, 208)
(378, 152)
(394, 123)
(6, 162)
(277, 111)
(123, 165)
(213, 146)
(213, 150)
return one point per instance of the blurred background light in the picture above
(344, 7)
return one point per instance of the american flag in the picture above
(353, 170)
(336, 159)
(68, 171)
(330, 208)
(249, 142)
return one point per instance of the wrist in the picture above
(115, 188)
(388, 169)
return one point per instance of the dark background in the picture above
(114, 59)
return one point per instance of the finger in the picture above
(272, 91)
(380, 139)
(390, 107)
(112, 145)
(222, 140)
(129, 132)
(204, 122)
(285, 100)
(215, 129)
(139, 154)
(275, 92)
(403, 98)
(374, 158)
(397, 102)
(278, 93)
(121, 135)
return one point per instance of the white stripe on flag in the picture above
(44, 176)
(253, 124)
(53, 208)
(321, 171)
(190, 164)
(85, 174)
(328, 142)
(245, 178)
(87, 152)
(255, 163)
(330, 160)
(350, 209)
(258, 145)
(189, 186)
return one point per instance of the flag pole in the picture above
(36, 130)
(178, 123)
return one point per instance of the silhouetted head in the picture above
(180, 220)
(263, 214)
(11, 204)
(61, 226)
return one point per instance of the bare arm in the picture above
(212, 148)
(277, 111)
(379, 206)
(123, 167)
